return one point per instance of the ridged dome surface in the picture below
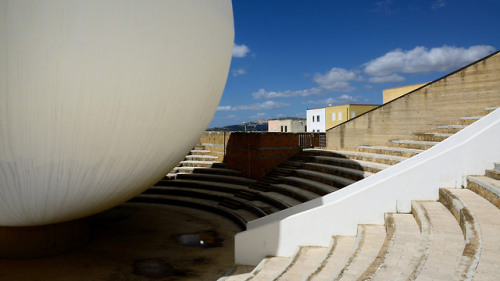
(100, 99)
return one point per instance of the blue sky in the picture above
(290, 55)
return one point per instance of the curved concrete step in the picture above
(193, 163)
(469, 120)
(373, 157)
(436, 137)
(445, 246)
(450, 129)
(349, 173)
(488, 221)
(402, 252)
(297, 193)
(486, 187)
(201, 158)
(338, 254)
(259, 209)
(372, 167)
(238, 190)
(328, 179)
(199, 152)
(216, 178)
(306, 259)
(368, 244)
(236, 217)
(413, 144)
(237, 273)
(268, 268)
(217, 171)
(310, 185)
(394, 151)
(469, 224)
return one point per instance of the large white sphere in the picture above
(100, 99)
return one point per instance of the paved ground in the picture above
(137, 241)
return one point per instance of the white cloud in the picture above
(259, 115)
(438, 4)
(421, 60)
(337, 80)
(388, 78)
(263, 94)
(384, 6)
(256, 106)
(240, 51)
(334, 101)
(238, 72)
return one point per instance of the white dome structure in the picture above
(99, 99)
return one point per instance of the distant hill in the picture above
(251, 126)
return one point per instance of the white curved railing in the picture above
(447, 164)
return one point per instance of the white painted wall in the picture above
(315, 126)
(447, 164)
(100, 99)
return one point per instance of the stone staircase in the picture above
(197, 158)
(454, 238)
(202, 183)
(317, 172)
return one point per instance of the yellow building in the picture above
(390, 94)
(337, 114)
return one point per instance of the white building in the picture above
(316, 120)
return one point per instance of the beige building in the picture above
(390, 94)
(335, 115)
(287, 125)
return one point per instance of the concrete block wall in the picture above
(216, 142)
(466, 91)
(253, 153)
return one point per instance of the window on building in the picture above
(286, 129)
(313, 118)
(333, 116)
(317, 118)
(340, 116)
(353, 114)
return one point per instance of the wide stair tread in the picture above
(413, 144)
(350, 173)
(237, 273)
(230, 200)
(217, 178)
(485, 186)
(268, 268)
(297, 193)
(196, 163)
(199, 152)
(339, 252)
(374, 157)
(336, 181)
(310, 185)
(436, 137)
(368, 244)
(402, 251)
(278, 201)
(201, 157)
(447, 129)
(302, 263)
(217, 171)
(368, 166)
(444, 250)
(396, 151)
(240, 217)
(488, 219)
